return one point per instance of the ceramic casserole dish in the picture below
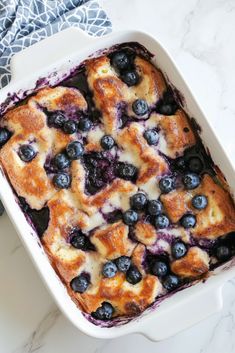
(54, 58)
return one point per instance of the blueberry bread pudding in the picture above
(112, 174)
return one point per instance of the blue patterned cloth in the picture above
(25, 22)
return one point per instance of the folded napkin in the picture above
(25, 22)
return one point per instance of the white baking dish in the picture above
(59, 54)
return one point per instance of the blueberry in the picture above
(138, 201)
(191, 181)
(74, 150)
(1, 208)
(159, 268)
(109, 269)
(178, 250)
(130, 217)
(167, 184)
(166, 109)
(133, 275)
(195, 165)
(126, 171)
(70, 127)
(79, 240)
(120, 60)
(57, 119)
(123, 263)
(131, 78)
(80, 283)
(188, 221)
(140, 107)
(151, 136)
(171, 282)
(222, 253)
(161, 221)
(61, 161)
(154, 207)
(27, 153)
(107, 142)
(180, 164)
(4, 136)
(199, 202)
(84, 124)
(167, 105)
(104, 312)
(62, 180)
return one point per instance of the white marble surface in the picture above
(200, 36)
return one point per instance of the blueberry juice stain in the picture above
(38, 218)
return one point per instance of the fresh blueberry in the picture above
(154, 207)
(56, 119)
(222, 253)
(120, 60)
(70, 127)
(130, 217)
(107, 142)
(180, 164)
(191, 181)
(109, 269)
(178, 250)
(140, 107)
(170, 282)
(80, 283)
(167, 105)
(79, 240)
(4, 136)
(1, 208)
(61, 161)
(62, 180)
(195, 165)
(84, 124)
(138, 201)
(167, 184)
(27, 153)
(74, 150)
(104, 312)
(123, 263)
(199, 202)
(133, 275)
(131, 78)
(166, 109)
(159, 268)
(188, 221)
(161, 221)
(126, 171)
(151, 136)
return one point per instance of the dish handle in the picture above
(184, 314)
(47, 52)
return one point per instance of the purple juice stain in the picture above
(39, 218)
(100, 168)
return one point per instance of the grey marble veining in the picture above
(200, 36)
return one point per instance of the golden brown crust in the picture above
(219, 216)
(194, 264)
(217, 219)
(112, 241)
(145, 233)
(125, 298)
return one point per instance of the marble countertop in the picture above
(200, 36)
